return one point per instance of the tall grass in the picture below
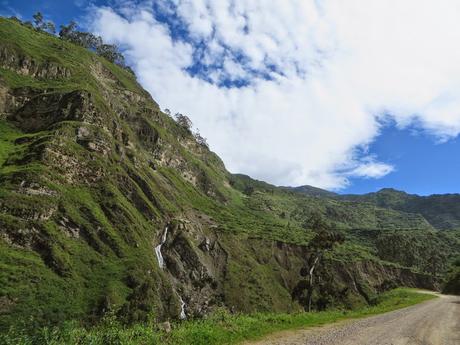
(219, 328)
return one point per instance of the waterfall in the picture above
(182, 316)
(161, 261)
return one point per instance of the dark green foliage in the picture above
(424, 250)
(111, 53)
(441, 211)
(38, 19)
(67, 31)
(91, 171)
(452, 283)
(183, 121)
(50, 27)
(84, 39)
(41, 24)
(219, 328)
(311, 191)
(324, 240)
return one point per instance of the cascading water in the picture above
(161, 261)
(183, 316)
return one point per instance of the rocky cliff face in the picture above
(28, 66)
(201, 264)
(107, 204)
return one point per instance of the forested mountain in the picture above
(108, 204)
(442, 211)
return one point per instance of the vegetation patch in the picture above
(93, 173)
(219, 328)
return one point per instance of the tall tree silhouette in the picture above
(324, 240)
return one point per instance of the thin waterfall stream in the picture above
(161, 263)
(183, 315)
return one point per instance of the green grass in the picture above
(56, 277)
(7, 135)
(44, 48)
(219, 328)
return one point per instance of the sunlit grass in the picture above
(219, 328)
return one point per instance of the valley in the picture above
(111, 209)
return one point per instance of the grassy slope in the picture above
(441, 211)
(79, 275)
(372, 231)
(220, 328)
(46, 48)
(122, 214)
(44, 294)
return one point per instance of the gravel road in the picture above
(436, 322)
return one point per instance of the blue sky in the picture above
(59, 11)
(293, 91)
(422, 166)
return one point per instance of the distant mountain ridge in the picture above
(442, 211)
(110, 205)
(311, 191)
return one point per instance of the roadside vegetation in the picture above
(452, 283)
(94, 255)
(219, 328)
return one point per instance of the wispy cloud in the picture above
(371, 170)
(316, 76)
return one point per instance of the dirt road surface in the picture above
(436, 322)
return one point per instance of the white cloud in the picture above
(371, 170)
(334, 66)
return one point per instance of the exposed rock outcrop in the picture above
(27, 66)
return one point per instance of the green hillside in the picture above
(441, 211)
(452, 281)
(94, 176)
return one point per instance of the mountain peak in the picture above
(311, 191)
(108, 204)
(389, 190)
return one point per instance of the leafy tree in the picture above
(38, 20)
(67, 31)
(184, 121)
(50, 27)
(316, 222)
(452, 281)
(249, 190)
(201, 140)
(325, 240)
(111, 53)
(436, 262)
(130, 70)
(87, 40)
(40, 24)
(84, 39)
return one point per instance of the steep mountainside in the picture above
(441, 211)
(312, 191)
(107, 204)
